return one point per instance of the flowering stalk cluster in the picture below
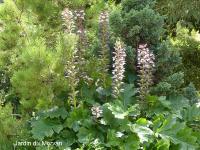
(74, 20)
(118, 68)
(146, 65)
(68, 19)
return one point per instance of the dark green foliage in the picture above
(191, 93)
(136, 4)
(186, 11)
(167, 60)
(146, 27)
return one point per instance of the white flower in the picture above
(68, 19)
(145, 64)
(80, 14)
(104, 39)
(198, 104)
(97, 111)
(118, 67)
(104, 17)
(119, 134)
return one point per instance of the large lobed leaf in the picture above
(120, 111)
(177, 133)
(43, 128)
(44, 125)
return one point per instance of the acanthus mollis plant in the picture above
(104, 54)
(104, 38)
(82, 44)
(118, 68)
(71, 66)
(72, 76)
(146, 65)
(79, 15)
(68, 20)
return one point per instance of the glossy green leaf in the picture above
(84, 135)
(144, 133)
(177, 133)
(120, 111)
(131, 143)
(43, 128)
(57, 112)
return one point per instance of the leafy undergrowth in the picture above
(96, 75)
(122, 126)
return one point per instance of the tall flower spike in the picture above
(82, 44)
(118, 68)
(145, 64)
(104, 39)
(72, 76)
(80, 18)
(68, 21)
(71, 66)
(104, 54)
